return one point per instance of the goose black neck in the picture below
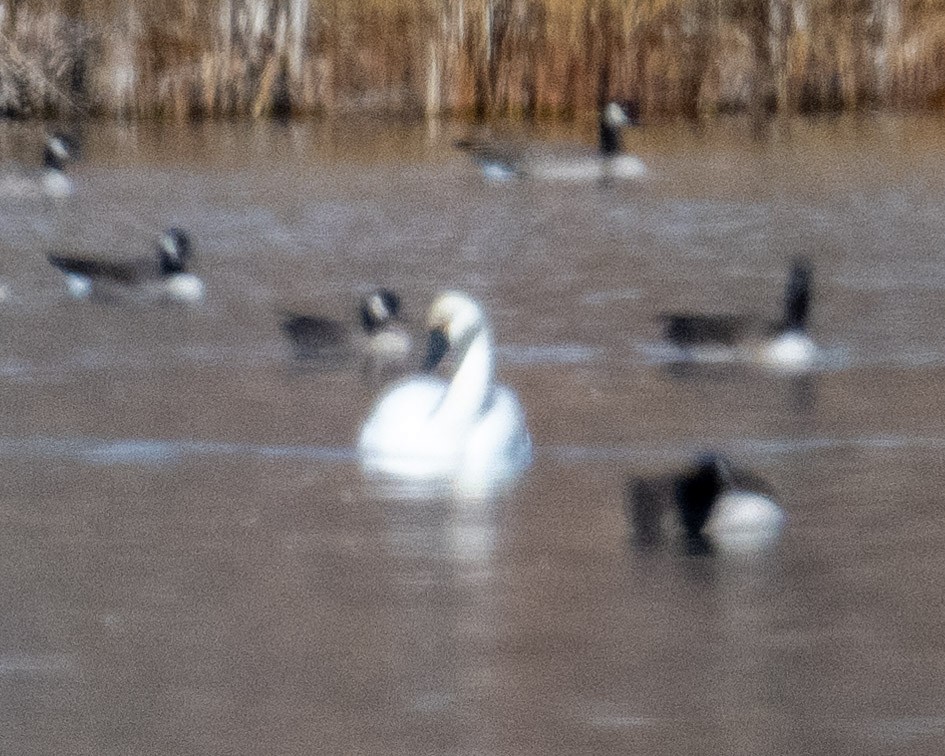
(609, 138)
(171, 265)
(51, 160)
(696, 494)
(797, 297)
(369, 323)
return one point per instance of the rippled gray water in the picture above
(193, 563)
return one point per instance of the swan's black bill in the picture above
(437, 347)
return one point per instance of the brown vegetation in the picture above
(200, 58)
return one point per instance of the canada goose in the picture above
(500, 161)
(162, 276)
(50, 181)
(380, 334)
(713, 503)
(466, 428)
(782, 344)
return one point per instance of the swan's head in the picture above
(379, 308)
(174, 251)
(454, 321)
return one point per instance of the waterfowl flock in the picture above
(448, 420)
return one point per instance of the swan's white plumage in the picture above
(410, 435)
(466, 430)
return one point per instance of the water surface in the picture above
(193, 562)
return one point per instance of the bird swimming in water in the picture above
(783, 344)
(50, 181)
(464, 429)
(505, 160)
(162, 276)
(713, 504)
(379, 336)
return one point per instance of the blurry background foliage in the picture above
(219, 58)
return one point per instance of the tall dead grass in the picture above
(226, 58)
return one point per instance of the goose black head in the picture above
(58, 150)
(797, 295)
(697, 491)
(378, 308)
(614, 117)
(173, 251)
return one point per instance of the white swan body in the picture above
(413, 433)
(465, 430)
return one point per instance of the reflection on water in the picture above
(194, 562)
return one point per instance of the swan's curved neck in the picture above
(470, 390)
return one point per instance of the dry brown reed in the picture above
(225, 58)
